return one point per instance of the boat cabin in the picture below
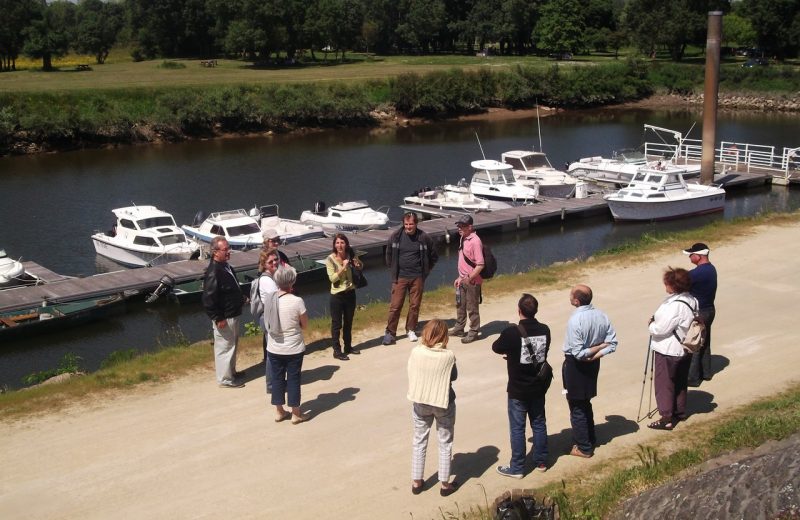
(147, 226)
(492, 173)
(525, 161)
(231, 224)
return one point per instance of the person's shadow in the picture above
(614, 426)
(328, 401)
(699, 401)
(322, 373)
(719, 363)
(466, 466)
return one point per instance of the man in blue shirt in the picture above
(589, 337)
(704, 288)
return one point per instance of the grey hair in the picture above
(215, 242)
(285, 277)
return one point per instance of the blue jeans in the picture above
(518, 410)
(285, 375)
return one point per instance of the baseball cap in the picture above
(698, 248)
(464, 220)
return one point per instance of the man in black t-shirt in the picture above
(524, 356)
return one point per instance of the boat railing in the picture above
(730, 153)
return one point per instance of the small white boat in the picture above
(495, 180)
(144, 236)
(239, 229)
(662, 194)
(457, 197)
(10, 270)
(346, 217)
(288, 230)
(534, 169)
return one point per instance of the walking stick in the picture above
(644, 380)
(650, 411)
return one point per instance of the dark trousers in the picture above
(700, 368)
(285, 374)
(518, 411)
(343, 307)
(414, 288)
(581, 416)
(670, 382)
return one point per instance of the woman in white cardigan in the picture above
(668, 327)
(431, 370)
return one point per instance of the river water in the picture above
(51, 204)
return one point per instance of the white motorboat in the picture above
(534, 169)
(239, 229)
(288, 230)
(144, 236)
(346, 217)
(455, 197)
(620, 169)
(494, 180)
(662, 194)
(10, 270)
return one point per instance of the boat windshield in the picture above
(177, 238)
(246, 229)
(501, 177)
(152, 222)
(535, 161)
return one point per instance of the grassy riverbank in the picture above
(174, 362)
(157, 101)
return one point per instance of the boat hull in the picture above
(56, 317)
(104, 246)
(239, 244)
(625, 210)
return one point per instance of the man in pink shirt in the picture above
(468, 283)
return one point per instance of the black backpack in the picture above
(489, 261)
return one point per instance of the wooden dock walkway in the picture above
(142, 280)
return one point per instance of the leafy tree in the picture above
(777, 25)
(674, 24)
(738, 31)
(561, 27)
(98, 24)
(16, 16)
(484, 22)
(421, 23)
(383, 15)
(244, 39)
(50, 34)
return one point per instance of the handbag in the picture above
(359, 280)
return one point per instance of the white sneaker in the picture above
(412, 336)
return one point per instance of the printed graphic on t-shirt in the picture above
(538, 345)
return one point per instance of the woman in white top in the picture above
(668, 326)
(285, 344)
(431, 370)
(268, 263)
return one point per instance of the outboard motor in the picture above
(320, 207)
(166, 284)
(198, 219)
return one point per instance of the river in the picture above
(51, 204)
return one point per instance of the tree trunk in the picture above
(47, 62)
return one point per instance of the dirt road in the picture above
(191, 450)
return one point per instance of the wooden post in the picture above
(710, 96)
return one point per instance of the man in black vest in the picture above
(223, 301)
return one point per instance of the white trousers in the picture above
(225, 343)
(422, 416)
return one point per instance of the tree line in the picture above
(269, 30)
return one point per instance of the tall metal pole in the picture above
(710, 96)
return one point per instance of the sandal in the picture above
(662, 424)
(282, 417)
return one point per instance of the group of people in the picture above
(589, 336)
(410, 256)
